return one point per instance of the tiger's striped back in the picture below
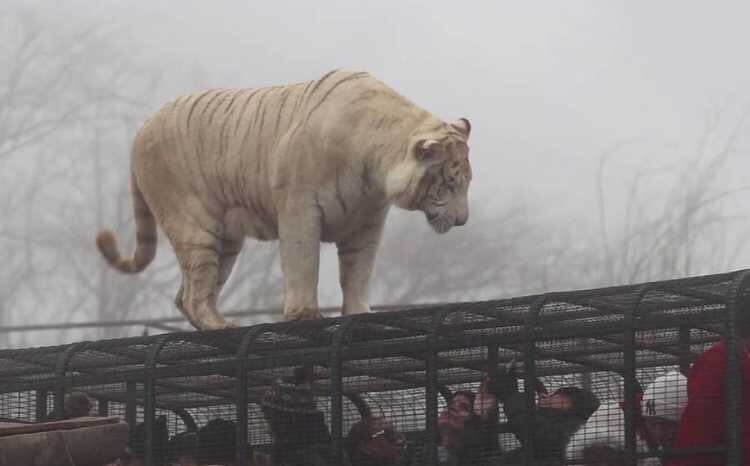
(317, 161)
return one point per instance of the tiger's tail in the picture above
(145, 228)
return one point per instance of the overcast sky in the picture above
(548, 86)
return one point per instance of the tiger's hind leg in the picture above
(230, 249)
(198, 253)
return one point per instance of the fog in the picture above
(608, 145)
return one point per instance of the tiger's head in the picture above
(439, 180)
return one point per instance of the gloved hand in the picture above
(502, 383)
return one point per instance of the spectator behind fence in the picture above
(558, 416)
(160, 439)
(300, 434)
(75, 404)
(702, 423)
(656, 420)
(662, 405)
(468, 427)
(373, 441)
(217, 443)
(182, 449)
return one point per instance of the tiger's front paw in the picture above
(304, 313)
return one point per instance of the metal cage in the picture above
(401, 365)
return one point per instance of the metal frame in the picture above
(230, 367)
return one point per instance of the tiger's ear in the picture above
(428, 150)
(463, 126)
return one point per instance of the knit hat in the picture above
(297, 426)
(584, 401)
(289, 398)
(666, 397)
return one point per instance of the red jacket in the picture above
(702, 422)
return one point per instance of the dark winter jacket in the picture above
(300, 434)
(550, 430)
(478, 441)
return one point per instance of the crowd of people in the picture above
(680, 418)
(673, 413)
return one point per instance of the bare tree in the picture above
(60, 110)
(497, 254)
(679, 219)
(35, 105)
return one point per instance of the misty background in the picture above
(609, 143)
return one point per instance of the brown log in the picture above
(8, 428)
(84, 446)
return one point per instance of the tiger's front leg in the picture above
(356, 261)
(299, 245)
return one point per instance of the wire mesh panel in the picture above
(583, 377)
(189, 404)
(388, 386)
(24, 406)
(283, 393)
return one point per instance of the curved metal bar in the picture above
(187, 419)
(628, 373)
(530, 378)
(336, 383)
(363, 408)
(683, 344)
(241, 401)
(149, 394)
(431, 390)
(61, 369)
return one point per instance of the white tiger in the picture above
(321, 160)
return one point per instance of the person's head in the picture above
(452, 419)
(573, 400)
(292, 413)
(375, 439)
(661, 407)
(77, 404)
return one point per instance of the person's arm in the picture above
(702, 421)
(480, 437)
(549, 434)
